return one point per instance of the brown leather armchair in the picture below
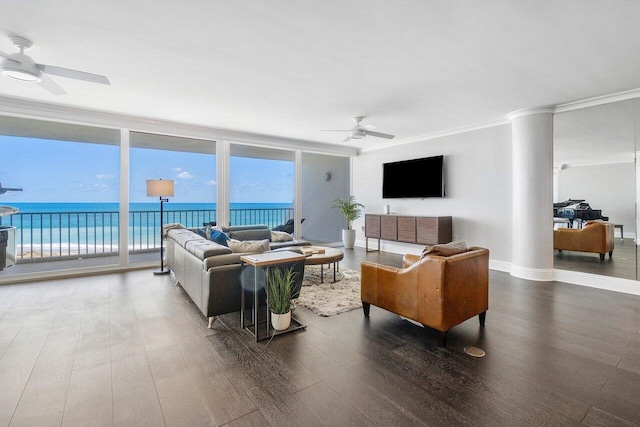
(595, 236)
(438, 292)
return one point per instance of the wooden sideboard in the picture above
(424, 230)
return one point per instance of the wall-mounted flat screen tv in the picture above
(413, 178)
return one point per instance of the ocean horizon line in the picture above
(26, 207)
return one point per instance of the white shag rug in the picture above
(330, 298)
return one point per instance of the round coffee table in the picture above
(320, 255)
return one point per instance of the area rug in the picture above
(328, 299)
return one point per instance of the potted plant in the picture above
(280, 283)
(351, 211)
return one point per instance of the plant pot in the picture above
(349, 238)
(280, 322)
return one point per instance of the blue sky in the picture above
(60, 171)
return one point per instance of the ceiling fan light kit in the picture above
(19, 66)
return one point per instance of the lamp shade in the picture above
(159, 187)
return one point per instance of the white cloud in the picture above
(104, 176)
(212, 182)
(184, 175)
(177, 169)
(100, 185)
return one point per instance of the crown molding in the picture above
(598, 100)
(440, 134)
(53, 112)
(529, 112)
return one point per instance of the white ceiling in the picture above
(291, 68)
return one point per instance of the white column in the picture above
(222, 182)
(297, 195)
(123, 228)
(532, 234)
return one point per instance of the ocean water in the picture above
(66, 228)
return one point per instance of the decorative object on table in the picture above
(328, 299)
(280, 284)
(351, 210)
(162, 188)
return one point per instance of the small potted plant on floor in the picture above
(351, 211)
(280, 283)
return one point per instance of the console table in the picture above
(424, 230)
(265, 260)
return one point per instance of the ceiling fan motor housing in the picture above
(358, 133)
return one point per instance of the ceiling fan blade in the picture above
(381, 135)
(51, 86)
(335, 130)
(73, 74)
(347, 139)
(3, 55)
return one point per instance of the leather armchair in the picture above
(438, 292)
(595, 236)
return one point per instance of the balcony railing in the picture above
(48, 236)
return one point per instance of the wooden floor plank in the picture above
(135, 400)
(89, 399)
(181, 400)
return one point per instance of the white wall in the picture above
(322, 223)
(610, 188)
(478, 188)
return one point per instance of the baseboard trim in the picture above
(498, 265)
(615, 284)
(536, 274)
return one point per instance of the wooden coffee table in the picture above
(320, 255)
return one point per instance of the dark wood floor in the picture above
(131, 349)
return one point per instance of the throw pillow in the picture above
(280, 236)
(218, 237)
(249, 246)
(447, 249)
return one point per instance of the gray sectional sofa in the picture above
(210, 272)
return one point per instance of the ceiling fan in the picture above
(21, 67)
(360, 131)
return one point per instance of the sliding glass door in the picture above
(191, 165)
(64, 183)
(261, 186)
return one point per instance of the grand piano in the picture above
(577, 210)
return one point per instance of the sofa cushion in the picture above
(204, 249)
(200, 231)
(447, 249)
(218, 237)
(249, 246)
(280, 236)
(182, 236)
(171, 226)
(254, 234)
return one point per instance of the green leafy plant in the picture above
(280, 283)
(349, 208)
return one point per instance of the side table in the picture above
(265, 261)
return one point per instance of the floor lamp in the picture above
(162, 188)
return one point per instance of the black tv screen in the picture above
(413, 178)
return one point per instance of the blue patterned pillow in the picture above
(218, 237)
